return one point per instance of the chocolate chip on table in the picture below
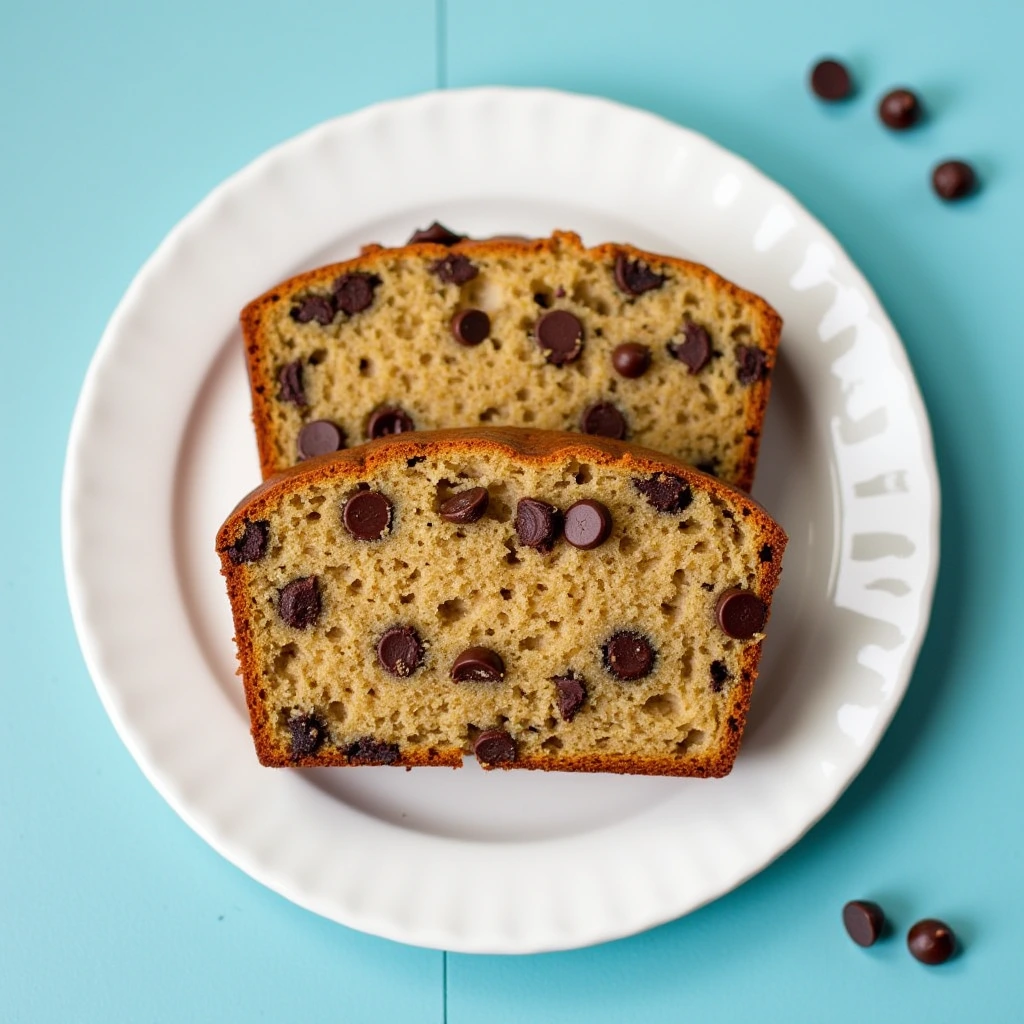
(572, 695)
(320, 437)
(436, 233)
(931, 941)
(740, 613)
(954, 179)
(387, 420)
(665, 492)
(694, 351)
(587, 524)
(494, 746)
(290, 379)
(603, 420)
(471, 326)
(314, 307)
(367, 515)
(751, 364)
(628, 655)
(454, 269)
(899, 109)
(466, 506)
(635, 277)
(863, 921)
(831, 81)
(298, 602)
(400, 651)
(252, 545)
(538, 524)
(478, 665)
(354, 292)
(308, 734)
(560, 334)
(631, 359)
(367, 750)
(719, 676)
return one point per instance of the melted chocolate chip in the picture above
(560, 334)
(538, 524)
(931, 941)
(665, 492)
(308, 734)
(587, 524)
(719, 676)
(471, 326)
(863, 921)
(400, 650)
(740, 613)
(494, 746)
(367, 515)
(455, 269)
(436, 233)
(387, 420)
(290, 379)
(252, 545)
(751, 364)
(631, 359)
(572, 695)
(466, 506)
(478, 665)
(831, 81)
(634, 277)
(314, 307)
(298, 602)
(354, 292)
(628, 655)
(604, 420)
(319, 438)
(694, 351)
(367, 750)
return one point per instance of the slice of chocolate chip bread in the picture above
(447, 333)
(538, 599)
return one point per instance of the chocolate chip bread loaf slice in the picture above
(609, 341)
(538, 599)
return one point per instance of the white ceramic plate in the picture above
(161, 449)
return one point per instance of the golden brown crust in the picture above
(261, 380)
(540, 447)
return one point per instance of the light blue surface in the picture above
(115, 120)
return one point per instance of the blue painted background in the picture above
(116, 118)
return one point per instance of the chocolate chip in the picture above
(387, 420)
(367, 515)
(454, 269)
(538, 524)
(308, 734)
(290, 379)
(634, 277)
(400, 651)
(766, 554)
(572, 694)
(560, 334)
(252, 545)
(298, 602)
(354, 292)
(471, 326)
(466, 506)
(954, 179)
(604, 420)
(900, 109)
(478, 665)
(494, 746)
(694, 351)
(628, 655)
(751, 364)
(436, 233)
(665, 492)
(319, 438)
(631, 359)
(740, 613)
(863, 921)
(587, 524)
(367, 750)
(931, 941)
(314, 307)
(719, 676)
(831, 81)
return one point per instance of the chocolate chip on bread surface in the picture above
(537, 599)
(546, 333)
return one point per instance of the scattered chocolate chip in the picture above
(863, 921)
(436, 233)
(314, 307)
(471, 326)
(367, 750)
(319, 438)
(478, 665)
(766, 554)
(751, 364)
(308, 734)
(710, 466)
(400, 651)
(538, 524)
(560, 334)
(494, 746)
(455, 269)
(572, 694)
(466, 506)
(831, 81)
(634, 277)
(932, 942)
(900, 109)
(631, 359)
(694, 351)
(665, 492)
(290, 379)
(367, 515)
(604, 420)
(628, 655)
(954, 179)
(587, 524)
(719, 676)
(298, 602)
(387, 420)
(740, 613)
(252, 545)
(354, 292)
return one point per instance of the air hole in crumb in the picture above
(627, 545)
(491, 414)
(512, 558)
(406, 598)
(318, 357)
(336, 711)
(531, 643)
(312, 517)
(334, 633)
(285, 656)
(529, 416)
(365, 368)
(694, 738)
(552, 743)
(662, 705)
(452, 610)
(355, 586)
(506, 594)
